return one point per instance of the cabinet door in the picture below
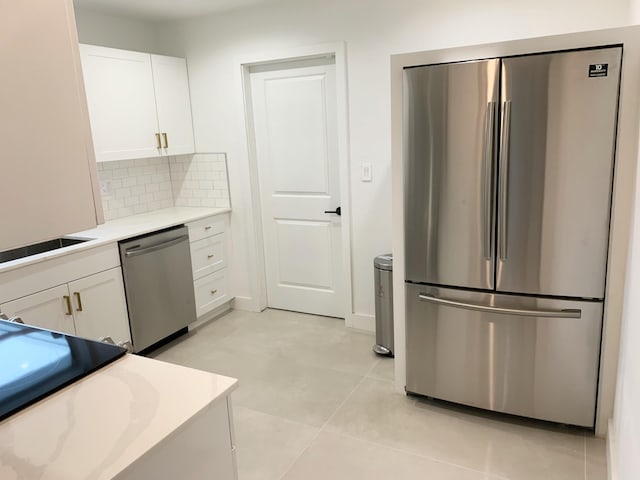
(46, 309)
(47, 163)
(173, 104)
(99, 305)
(119, 86)
(208, 255)
(211, 292)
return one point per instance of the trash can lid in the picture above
(384, 262)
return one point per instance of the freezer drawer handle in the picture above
(140, 251)
(501, 310)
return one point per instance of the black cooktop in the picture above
(35, 363)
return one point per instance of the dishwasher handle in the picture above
(137, 250)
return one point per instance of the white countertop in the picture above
(98, 426)
(120, 229)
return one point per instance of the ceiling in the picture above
(160, 10)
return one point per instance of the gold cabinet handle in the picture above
(158, 143)
(210, 256)
(166, 139)
(78, 301)
(67, 300)
(213, 292)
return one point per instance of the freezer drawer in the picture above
(541, 365)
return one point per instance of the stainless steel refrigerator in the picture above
(508, 181)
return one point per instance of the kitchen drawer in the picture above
(211, 291)
(206, 227)
(208, 255)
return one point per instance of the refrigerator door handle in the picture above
(489, 127)
(569, 313)
(505, 132)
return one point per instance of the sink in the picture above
(41, 247)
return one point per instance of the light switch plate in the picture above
(365, 172)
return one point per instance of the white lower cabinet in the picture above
(90, 307)
(44, 309)
(100, 308)
(202, 449)
(211, 291)
(208, 237)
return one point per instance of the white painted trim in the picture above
(626, 156)
(612, 453)
(338, 51)
(246, 304)
(212, 315)
(363, 322)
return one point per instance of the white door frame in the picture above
(338, 51)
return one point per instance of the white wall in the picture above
(372, 30)
(625, 435)
(96, 28)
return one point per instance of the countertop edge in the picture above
(163, 427)
(168, 218)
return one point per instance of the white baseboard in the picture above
(366, 323)
(248, 304)
(612, 457)
(213, 314)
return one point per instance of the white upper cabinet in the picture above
(139, 103)
(122, 103)
(47, 165)
(173, 104)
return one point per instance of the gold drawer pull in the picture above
(213, 292)
(158, 143)
(67, 300)
(166, 140)
(210, 256)
(79, 300)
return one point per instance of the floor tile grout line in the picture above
(584, 437)
(278, 417)
(419, 455)
(321, 429)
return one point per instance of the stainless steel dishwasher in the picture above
(158, 282)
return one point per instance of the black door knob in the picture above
(337, 211)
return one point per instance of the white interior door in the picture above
(294, 110)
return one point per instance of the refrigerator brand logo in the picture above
(598, 70)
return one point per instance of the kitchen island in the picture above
(136, 418)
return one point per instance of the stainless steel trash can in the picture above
(383, 274)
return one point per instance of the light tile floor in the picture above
(314, 403)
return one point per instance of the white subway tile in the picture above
(129, 181)
(124, 212)
(122, 192)
(131, 201)
(138, 190)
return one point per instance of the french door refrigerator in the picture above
(508, 180)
